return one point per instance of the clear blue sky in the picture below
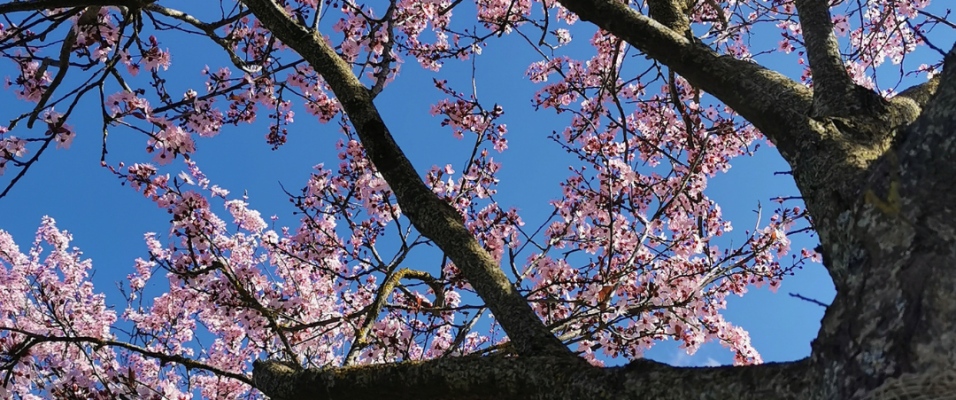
(108, 220)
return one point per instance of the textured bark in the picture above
(521, 378)
(896, 313)
(834, 93)
(672, 14)
(880, 191)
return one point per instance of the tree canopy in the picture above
(669, 92)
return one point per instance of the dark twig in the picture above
(807, 299)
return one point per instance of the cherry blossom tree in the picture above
(327, 309)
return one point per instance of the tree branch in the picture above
(384, 291)
(37, 5)
(834, 93)
(775, 104)
(908, 104)
(672, 14)
(66, 48)
(921, 93)
(434, 218)
(534, 378)
(210, 31)
(159, 355)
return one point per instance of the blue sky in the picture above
(108, 220)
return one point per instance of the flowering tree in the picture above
(328, 309)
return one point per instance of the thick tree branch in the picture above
(37, 5)
(775, 104)
(908, 104)
(672, 14)
(525, 378)
(434, 218)
(922, 93)
(834, 93)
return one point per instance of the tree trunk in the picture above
(893, 250)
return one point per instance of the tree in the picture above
(871, 167)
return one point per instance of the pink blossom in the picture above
(155, 57)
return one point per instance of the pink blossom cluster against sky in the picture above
(259, 195)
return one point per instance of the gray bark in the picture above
(520, 378)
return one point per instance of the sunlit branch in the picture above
(672, 14)
(922, 93)
(391, 281)
(833, 89)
